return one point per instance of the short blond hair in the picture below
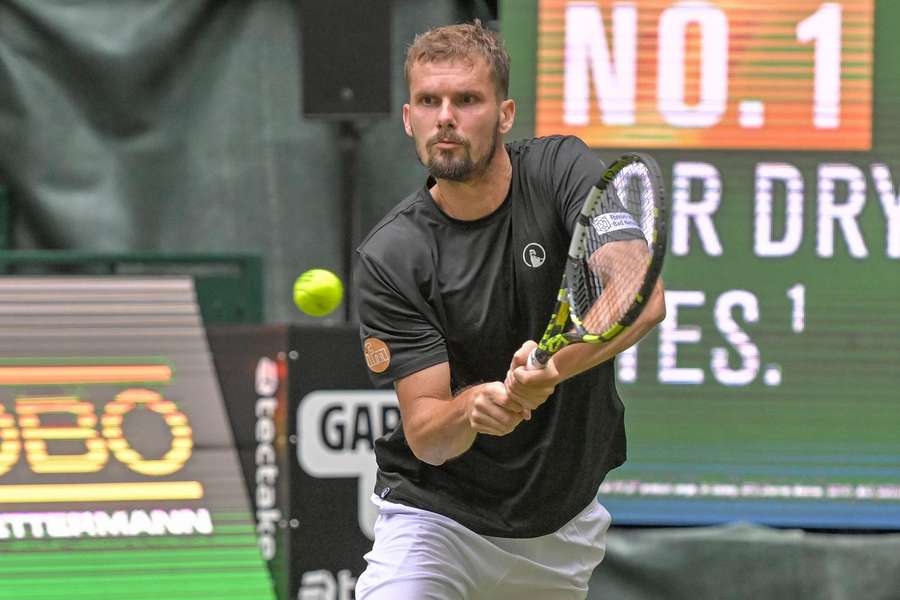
(464, 41)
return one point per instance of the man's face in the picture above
(455, 117)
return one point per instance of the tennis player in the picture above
(488, 490)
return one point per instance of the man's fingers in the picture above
(512, 400)
(494, 420)
(535, 377)
(530, 388)
(495, 413)
(520, 358)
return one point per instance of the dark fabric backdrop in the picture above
(176, 125)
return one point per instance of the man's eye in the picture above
(467, 99)
(427, 100)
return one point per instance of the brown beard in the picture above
(463, 168)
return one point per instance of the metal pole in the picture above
(348, 149)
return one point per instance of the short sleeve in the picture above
(397, 333)
(571, 170)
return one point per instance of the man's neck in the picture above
(478, 197)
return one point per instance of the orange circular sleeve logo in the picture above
(378, 357)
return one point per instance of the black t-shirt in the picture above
(435, 289)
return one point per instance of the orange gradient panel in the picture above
(83, 374)
(717, 74)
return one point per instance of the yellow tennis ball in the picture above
(317, 292)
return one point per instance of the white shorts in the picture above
(421, 555)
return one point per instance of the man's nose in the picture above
(447, 114)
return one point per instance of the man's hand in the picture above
(529, 388)
(440, 425)
(491, 410)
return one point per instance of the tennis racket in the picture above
(615, 258)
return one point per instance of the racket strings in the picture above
(585, 288)
(622, 269)
(612, 273)
(633, 190)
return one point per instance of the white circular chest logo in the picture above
(534, 255)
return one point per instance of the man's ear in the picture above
(507, 115)
(406, 124)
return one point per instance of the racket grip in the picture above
(538, 359)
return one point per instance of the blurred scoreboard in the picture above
(772, 390)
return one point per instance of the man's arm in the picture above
(577, 358)
(439, 426)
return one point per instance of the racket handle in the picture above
(538, 359)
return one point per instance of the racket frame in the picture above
(557, 336)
